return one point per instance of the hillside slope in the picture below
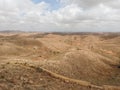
(59, 62)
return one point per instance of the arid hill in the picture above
(59, 61)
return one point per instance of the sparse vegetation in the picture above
(59, 61)
(2, 77)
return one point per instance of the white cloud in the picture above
(74, 15)
(86, 3)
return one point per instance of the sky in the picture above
(60, 15)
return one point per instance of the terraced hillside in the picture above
(35, 61)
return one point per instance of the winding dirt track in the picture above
(70, 80)
(93, 61)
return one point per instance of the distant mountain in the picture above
(11, 31)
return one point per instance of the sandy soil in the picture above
(39, 61)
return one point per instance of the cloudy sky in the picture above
(60, 15)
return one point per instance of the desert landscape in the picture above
(59, 61)
(59, 44)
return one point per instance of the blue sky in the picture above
(60, 15)
(53, 3)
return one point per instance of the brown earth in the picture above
(35, 61)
